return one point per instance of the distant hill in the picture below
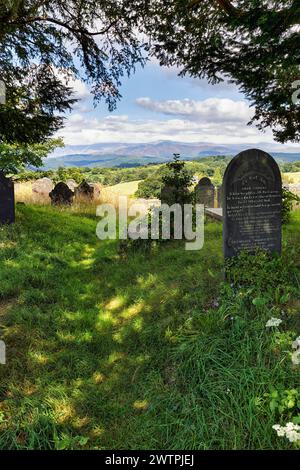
(129, 155)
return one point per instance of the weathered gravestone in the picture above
(71, 184)
(205, 193)
(219, 196)
(252, 204)
(42, 186)
(61, 195)
(84, 190)
(97, 190)
(7, 200)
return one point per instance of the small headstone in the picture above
(42, 186)
(97, 190)
(7, 200)
(205, 193)
(61, 195)
(71, 184)
(252, 204)
(219, 191)
(84, 190)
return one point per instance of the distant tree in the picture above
(179, 178)
(173, 174)
(15, 157)
(151, 186)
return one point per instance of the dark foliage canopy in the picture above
(254, 43)
(45, 42)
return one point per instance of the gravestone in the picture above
(219, 191)
(71, 184)
(84, 190)
(61, 195)
(97, 190)
(42, 186)
(252, 204)
(7, 200)
(205, 193)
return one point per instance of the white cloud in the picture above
(80, 89)
(82, 130)
(209, 110)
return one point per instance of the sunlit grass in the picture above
(106, 352)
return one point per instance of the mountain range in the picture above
(126, 155)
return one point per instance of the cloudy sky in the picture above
(159, 105)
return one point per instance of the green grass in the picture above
(125, 189)
(134, 353)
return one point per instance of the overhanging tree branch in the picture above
(225, 5)
(63, 24)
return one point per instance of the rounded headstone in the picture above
(61, 195)
(42, 186)
(205, 192)
(97, 190)
(252, 204)
(84, 190)
(71, 184)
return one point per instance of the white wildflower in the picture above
(291, 431)
(296, 357)
(279, 429)
(273, 322)
(296, 343)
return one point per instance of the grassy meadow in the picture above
(125, 189)
(141, 351)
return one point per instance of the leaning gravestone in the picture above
(205, 193)
(61, 195)
(252, 204)
(84, 190)
(7, 200)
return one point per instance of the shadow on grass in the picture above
(91, 337)
(90, 333)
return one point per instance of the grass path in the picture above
(96, 350)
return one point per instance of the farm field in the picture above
(124, 189)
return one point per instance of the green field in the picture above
(124, 189)
(142, 351)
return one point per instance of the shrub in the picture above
(288, 199)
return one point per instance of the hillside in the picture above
(127, 155)
(141, 351)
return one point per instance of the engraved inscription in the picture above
(253, 203)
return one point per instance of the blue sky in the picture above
(159, 105)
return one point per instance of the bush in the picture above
(288, 198)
